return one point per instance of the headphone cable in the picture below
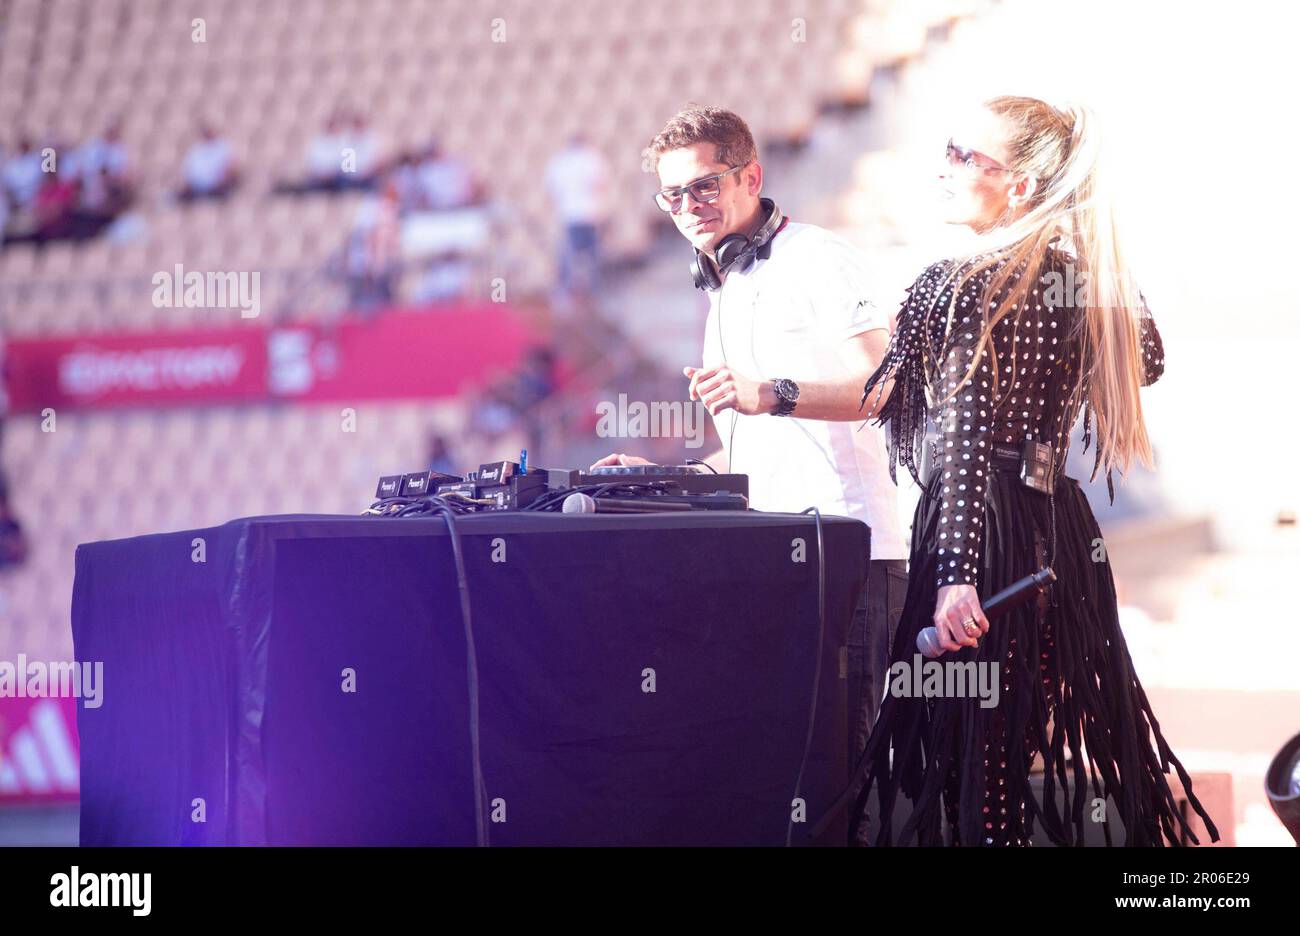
(735, 414)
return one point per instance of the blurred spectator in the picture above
(22, 174)
(445, 181)
(104, 156)
(431, 180)
(534, 384)
(365, 150)
(404, 177)
(345, 155)
(441, 246)
(209, 170)
(511, 403)
(492, 412)
(52, 209)
(102, 197)
(325, 156)
(105, 186)
(4, 412)
(371, 258)
(13, 542)
(440, 457)
(13, 545)
(536, 379)
(577, 179)
(404, 230)
(83, 192)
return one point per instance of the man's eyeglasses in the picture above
(702, 190)
(973, 159)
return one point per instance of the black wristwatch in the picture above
(787, 395)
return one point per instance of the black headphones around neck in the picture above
(737, 250)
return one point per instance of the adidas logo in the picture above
(39, 756)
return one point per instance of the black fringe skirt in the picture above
(1086, 713)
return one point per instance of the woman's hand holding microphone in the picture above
(959, 620)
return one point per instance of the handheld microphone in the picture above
(1013, 596)
(579, 503)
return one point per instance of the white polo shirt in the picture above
(786, 316)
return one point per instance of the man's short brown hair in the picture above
(697, 124)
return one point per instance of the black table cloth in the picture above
(642, 679)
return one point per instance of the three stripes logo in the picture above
(38, 750)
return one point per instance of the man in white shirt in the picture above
(325, 155)
(446, 182)
(577, 179)
(105, 155)
(209, 169)
(790, 340)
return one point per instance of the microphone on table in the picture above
(1013, 596)
(579, 503)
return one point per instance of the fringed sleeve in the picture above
(906, 412)
(1087, 440)
(1153, 348)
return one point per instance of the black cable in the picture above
(697, 461)
(447, 509)
(554, 500)
(817, 676)
(412, 506)
(471, 668)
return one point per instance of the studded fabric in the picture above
(1041, 386)
(1003, 818)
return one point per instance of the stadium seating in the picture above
(267, 76)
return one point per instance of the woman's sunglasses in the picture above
(973, 159)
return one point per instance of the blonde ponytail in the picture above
(1071, 208)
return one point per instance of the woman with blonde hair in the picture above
(1002, 349)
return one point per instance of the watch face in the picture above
(788, 390)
